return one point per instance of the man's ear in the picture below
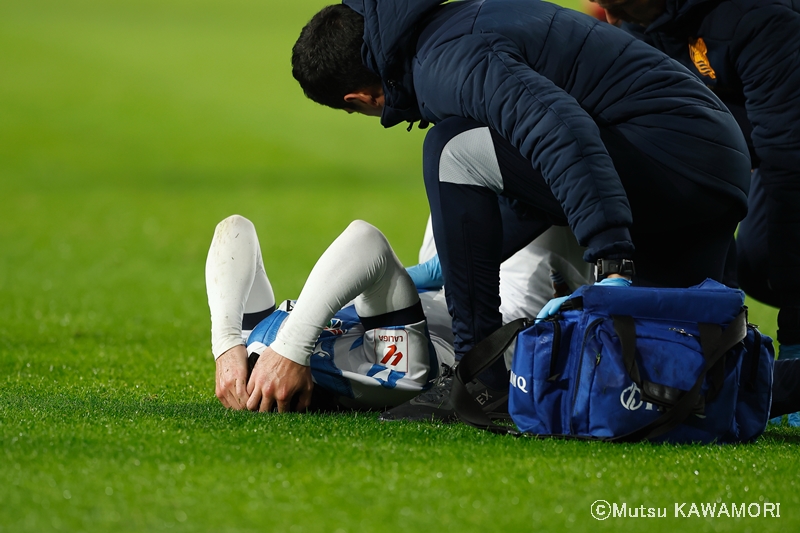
(360, 97)
(368, 101)
(369, 96)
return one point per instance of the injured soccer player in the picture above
(361, 335)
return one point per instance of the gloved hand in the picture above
(552, 307)
(428, 275)
(615, 282)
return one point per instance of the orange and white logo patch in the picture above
(698, 51)
(391, 346)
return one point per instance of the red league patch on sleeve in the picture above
(391, 347)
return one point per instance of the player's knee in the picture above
(234, 224)
(461, 152)
(366, 235)
(444, 142)
(440, 135)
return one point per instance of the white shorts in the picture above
(380, 367)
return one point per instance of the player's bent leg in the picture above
(373, 354)
(394, 358)
(239, 291)
(462, 181)
(390, 288)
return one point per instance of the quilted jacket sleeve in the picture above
(487, 82)
(768, 63)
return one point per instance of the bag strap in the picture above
(755, 358)
(663, 395)
(482, 355)
(478, 359)
(715, 344)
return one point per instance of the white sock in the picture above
(236, 281)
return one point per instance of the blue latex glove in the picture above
(615, 282)
(428, 275)
(552, 307)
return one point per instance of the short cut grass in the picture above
(128, 130)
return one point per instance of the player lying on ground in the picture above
(359, 330)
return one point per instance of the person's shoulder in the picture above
(773, 18)
(739, 20)
(739, 9)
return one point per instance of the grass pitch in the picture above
(127, 130)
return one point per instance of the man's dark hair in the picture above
(326, 59)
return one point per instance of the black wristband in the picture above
(605, 267)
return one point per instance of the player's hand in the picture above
(231, 386)
(275, 381)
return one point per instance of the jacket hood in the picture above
(391, 28)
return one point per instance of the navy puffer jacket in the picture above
(748, 53)
(545, 77)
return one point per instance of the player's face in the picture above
(642, 12)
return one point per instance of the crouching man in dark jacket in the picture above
(748, 53)
(543, 116)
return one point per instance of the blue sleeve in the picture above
(487, 82)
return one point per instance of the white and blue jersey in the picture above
(382, 366)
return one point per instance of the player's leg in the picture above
(358, 265)
(767, 246)
(345, 349)
(395, 359)
(465, 168)
(473, 234)
(238, 292)
(785, 389)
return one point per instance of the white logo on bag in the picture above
(519, 382)
(631, 399)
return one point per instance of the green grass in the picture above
(127, 130)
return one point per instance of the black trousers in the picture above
(785, 387)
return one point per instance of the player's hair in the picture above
(326, 59)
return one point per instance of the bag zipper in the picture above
(589, 329)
